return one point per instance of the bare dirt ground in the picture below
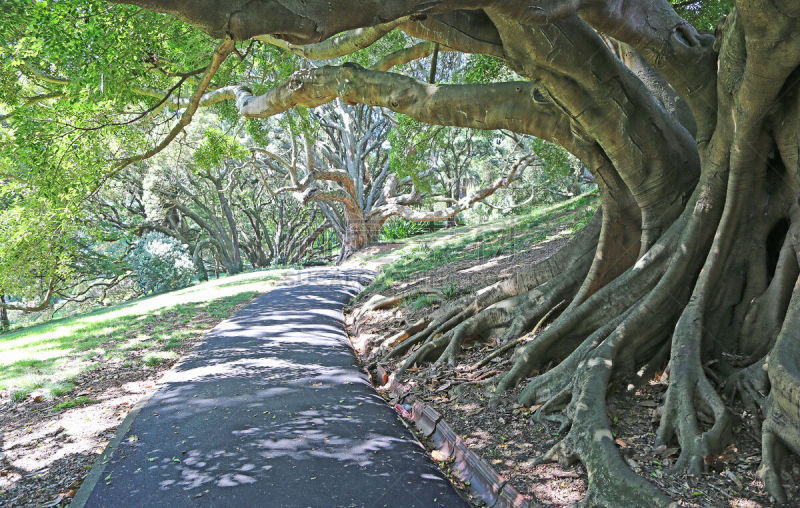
(46, 452)
(509, 436)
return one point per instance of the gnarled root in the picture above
(782, 424)
(599, 314)
(611, 482)
(511, 316)
(689, 391)
(751, 385)
(570, 263)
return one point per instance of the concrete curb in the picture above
(99, 466)
(484, 482)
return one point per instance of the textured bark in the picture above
(693, 141)
(5, 323)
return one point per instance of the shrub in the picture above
(160, 263)
(398, 228)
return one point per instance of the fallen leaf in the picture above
(730, 474)
(439, 456)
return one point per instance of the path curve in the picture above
(270, 409)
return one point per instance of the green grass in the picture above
(422, 302)
(159, 357)
(77, 401)
(145, 331)
(450, 291)
(506, 237)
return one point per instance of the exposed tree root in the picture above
(782, 417)
(611, 482)
(515, 343)
(569, 263)
(751, 385)
(690, 391)
(510, 317)
(598, 312)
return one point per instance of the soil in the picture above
(510, 437)
(45, 453)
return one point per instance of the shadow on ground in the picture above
(273, 410)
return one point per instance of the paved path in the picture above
(271, 410)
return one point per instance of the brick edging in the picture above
(484, 482)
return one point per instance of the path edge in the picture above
(483, 481)
(87, 487)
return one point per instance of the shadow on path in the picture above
(272, 410)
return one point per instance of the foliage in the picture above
(485, 69)
(161, 263)
(217, 148)
(703, 14)
(398, 228)
(555, 160)
(36, 244)
(410, 141)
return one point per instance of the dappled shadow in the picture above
(273, 410)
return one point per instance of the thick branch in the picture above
(340, 45)
(510, 106)
(396, 206)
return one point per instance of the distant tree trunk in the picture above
(359, 234)
(235, 263)
(5, 324)
(455, 192)
(197, 259)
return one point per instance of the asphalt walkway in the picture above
(270, 410)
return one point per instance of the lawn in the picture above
(143, 332)
(501, 238)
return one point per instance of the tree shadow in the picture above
(273, 409)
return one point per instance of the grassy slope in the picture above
(140, 332)
(145, 330)
(426, 252)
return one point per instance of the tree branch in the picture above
(222, 52)
(337, 46)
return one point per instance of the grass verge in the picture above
(140, 333)
(506, 237)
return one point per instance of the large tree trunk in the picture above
(693, 263)
(359, 233)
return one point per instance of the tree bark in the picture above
(5, 323)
